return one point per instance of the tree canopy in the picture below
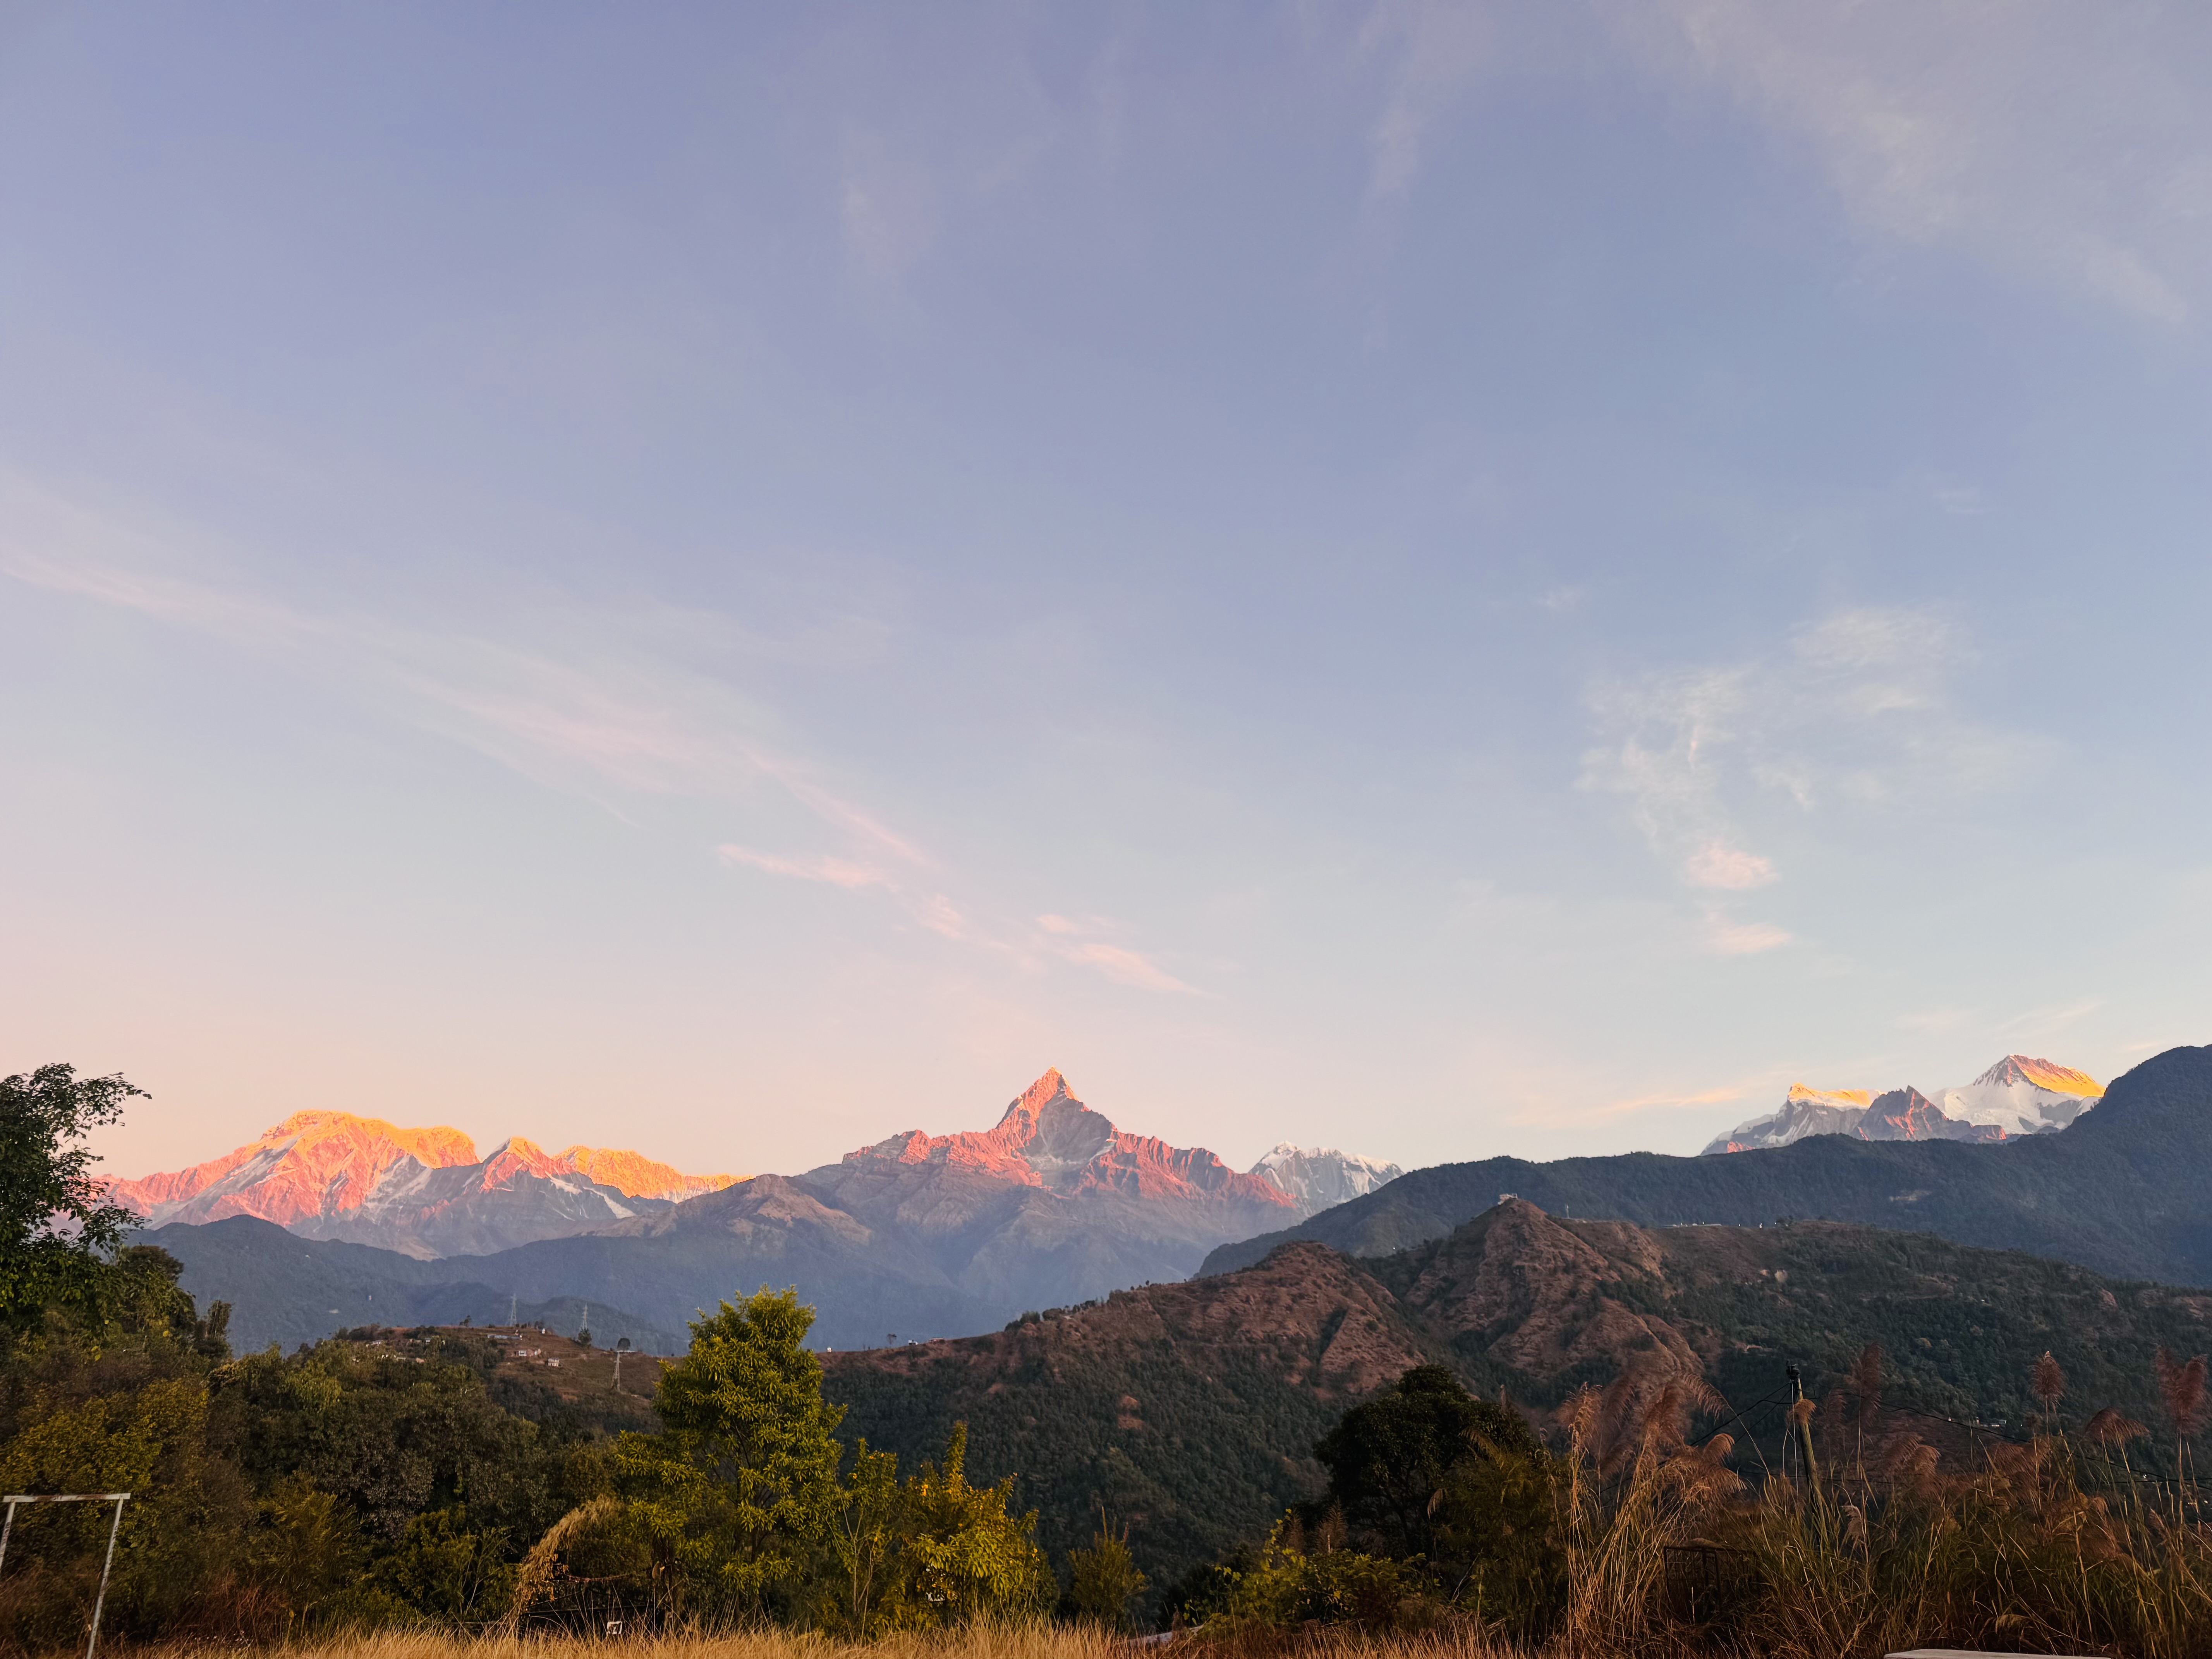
(57, 1229)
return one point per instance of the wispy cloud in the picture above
(838, 872)
(1859, 712)
(585, 705)
(1656, 1100)
(1436, 46)
(887, 207)
(1064, 938)
(2051, 1019)
(2058, 140)
(1744, 938)
(1125, 967)
(597, 710)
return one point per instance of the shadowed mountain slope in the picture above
(2123, 1189)
(288, 1290)
(1190, 1410)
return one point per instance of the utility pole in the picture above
(1801, 1415)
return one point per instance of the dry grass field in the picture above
(1037, 1641)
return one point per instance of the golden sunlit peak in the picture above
(2044, 1074)
(434, 1144)
(1805, 1091)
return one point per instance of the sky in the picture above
(1438, 579)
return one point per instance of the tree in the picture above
(863, 1597)
(738, 1491)
(1388, 1459)
(1429, 1470)
(929, 1551)
(967, 1557)
(1103, 1579)
(57, 1229)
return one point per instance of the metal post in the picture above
(92, 1643)
(118, 1498)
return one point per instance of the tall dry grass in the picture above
(2066, 1543)
(1037, 1641)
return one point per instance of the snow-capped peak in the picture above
(2018, 1096)
(1317, 1177)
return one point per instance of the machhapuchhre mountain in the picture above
(424, 1192)
(925, 1235)
(2121, 1189)
(2017, 1095)
(1189, 1411)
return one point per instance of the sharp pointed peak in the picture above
(1039, 1095)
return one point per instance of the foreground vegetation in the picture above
(405, 1496)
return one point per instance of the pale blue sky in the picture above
(1442, 579)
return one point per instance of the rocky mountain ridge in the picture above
(2018, 1096)
(930, 1235)
(2119, 1190)
(421, 1191)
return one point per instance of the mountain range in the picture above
(921, 1236)
(424, 1192)
(2017, 1095)
(2121, 1189)
(1189, 1411)
(919, 1233)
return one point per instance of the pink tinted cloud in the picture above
(1126, 968)
(838, 872)
(1745, 939)
(1716, 863)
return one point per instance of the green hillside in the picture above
(1190, 1410)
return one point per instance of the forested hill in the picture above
(2123, 1191)
(1190, 1410)
(287, 1290)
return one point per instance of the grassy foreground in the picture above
(1036, 1641)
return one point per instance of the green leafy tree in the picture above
(444, 1568)
(967, 1557)
(391, 1438)
(930, 1551)
(737, 1494)
(1387, 1460)
(1295, 1581)
(1104, 1583)
(1429, 1473)
(57, 1229)
(307, 1548)
(862, 1595)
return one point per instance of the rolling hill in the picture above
(1190, 1410)
(288, 1290)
